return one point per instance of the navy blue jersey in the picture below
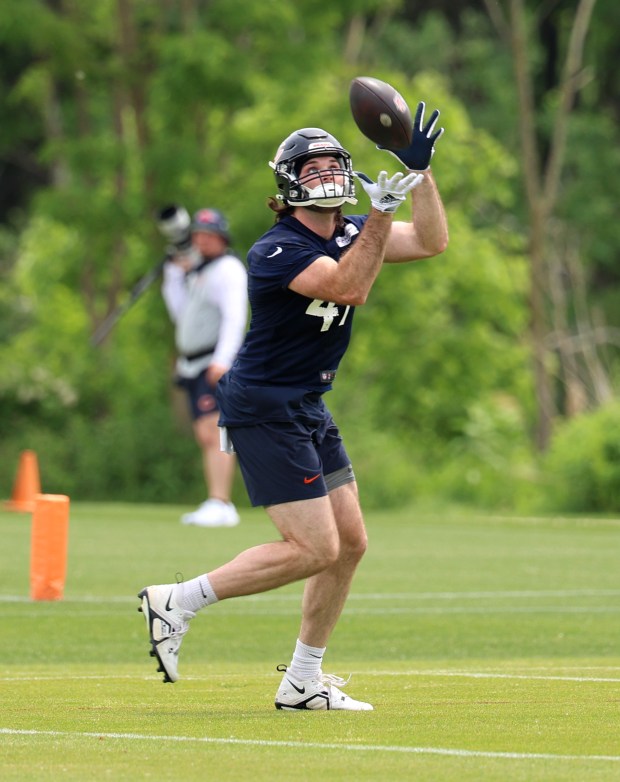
(293, 340)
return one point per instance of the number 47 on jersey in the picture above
(328, 311)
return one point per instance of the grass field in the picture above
(490, 648)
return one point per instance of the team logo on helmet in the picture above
(319, 145)
(279, 152)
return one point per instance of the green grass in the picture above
(490, 648)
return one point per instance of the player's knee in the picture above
(353, 544)
(331, 552)
(354, 547)
(361, 545)
(322, 554)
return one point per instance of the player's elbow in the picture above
(353, 298)
(362, 298)
(436, 247)
(441, 243)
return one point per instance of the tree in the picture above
(127, 105)
(541, 172)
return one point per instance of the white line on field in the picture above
(238, 611)
(570, 667)
(463, 753)
(99, 677)
(382, 596)
(480, 594)
(429, 673)
(613, 609)
(489, 675)
(412, 611)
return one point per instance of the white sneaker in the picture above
(166, 623)
(213, 513)
(320, 694)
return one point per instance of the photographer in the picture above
(205, 291)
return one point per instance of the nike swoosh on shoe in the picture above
(300, 690)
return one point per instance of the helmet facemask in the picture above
(330, 187)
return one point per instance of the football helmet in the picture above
(324, 192)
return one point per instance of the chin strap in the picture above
(322, 209)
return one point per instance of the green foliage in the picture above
(129, 461)
(594, 148)
(491, 463)
(117, 116)
(457, 317)
(582, 467)
(438, 335)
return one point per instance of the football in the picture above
(380, 112)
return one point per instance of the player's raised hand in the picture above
(388, 193)
(417, 156)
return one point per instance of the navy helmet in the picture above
(326, 192)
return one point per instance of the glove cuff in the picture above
(388, 204)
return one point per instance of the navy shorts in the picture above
(200, 395)
(285, 461)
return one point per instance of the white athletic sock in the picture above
(196, 593)
(306, 662)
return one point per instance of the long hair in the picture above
(281, 208)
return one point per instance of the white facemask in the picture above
(328, 194)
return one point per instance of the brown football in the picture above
(380, 112)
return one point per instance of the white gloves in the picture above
(387, 194)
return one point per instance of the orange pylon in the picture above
(48, 548)
(27, 484)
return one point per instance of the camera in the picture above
(174, 223)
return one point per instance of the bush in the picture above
(490, 465)
(582, 467)
(131, 457)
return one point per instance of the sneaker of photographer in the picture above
(212, 513)
(318, 694)
(166, 623)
